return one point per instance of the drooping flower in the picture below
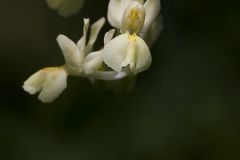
(65, 8)
(50, 82)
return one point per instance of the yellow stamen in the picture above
(132, 37)
(133, 15)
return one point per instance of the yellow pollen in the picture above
(133, 15)
(132, 38)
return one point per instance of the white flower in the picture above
(81, 61)
(128, 49)
(50, 82)
(117, 10)
(65, 8)
(125, 50)
(94, 60)
(74, 54)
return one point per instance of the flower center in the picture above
(133, 18)
(132, 37)
(134, 15)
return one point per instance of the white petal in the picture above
(82, 42)
(70, 7)
(131, 54)
(34, 83)
(92, 62)
(55, 83)
(95, 29)
(70, 51)
(54, 4)
(152, 12)
(153, 32)
(109, 36)
(116, 10)
(143, 58)
(127, 50)
(114, 52)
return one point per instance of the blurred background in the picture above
(185, 107)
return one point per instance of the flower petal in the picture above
(92, 62)
(143, 58)
(34, 83)
(153, 32)
(95, 29)
(109, 36)
(152, 12)
(127, 50)
(82, 42)
(55, 83)
(70, 52)
(114, 52)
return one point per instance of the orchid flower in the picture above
(117, 9)
(137, 23)
(74, 53)
(80, 61)
(128, 49)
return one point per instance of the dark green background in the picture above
(185, 107)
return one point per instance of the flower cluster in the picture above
(125, 53)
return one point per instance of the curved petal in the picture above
(34, 83)
(143, 57)
(92, 62)
(95, 29)
(153, 32)
(70, 7)
(55, 83)
(70, 51)
(152, 12)
(131, 53)
(109, 36)
(116, 10)
(114, 52)
(82, 42)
